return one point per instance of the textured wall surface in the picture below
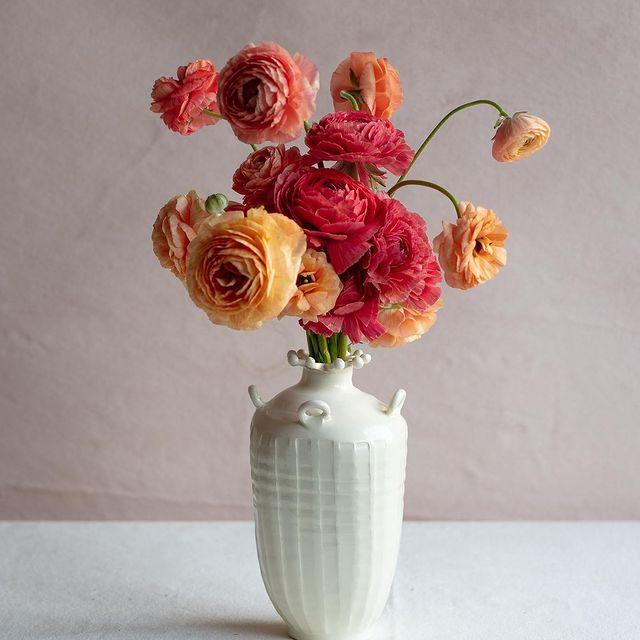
(119, 399)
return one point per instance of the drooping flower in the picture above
(242, 270)
(361, 138)
(318, 288)
(339, 214)
(355, 313)
(174, 228)
(180, 102)
(373, 79)
(404, 324)
(255, 178)
(267, 94)
(401, 264)
(519, 137)
(471, 250)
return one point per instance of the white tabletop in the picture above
(455, 581)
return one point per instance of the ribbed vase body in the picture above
(328, 486)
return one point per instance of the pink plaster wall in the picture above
(118, 398)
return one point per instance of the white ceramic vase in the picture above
(328, 470)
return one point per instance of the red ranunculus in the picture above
(355, 313)
(401, 264)
(339, 214)
(256, 176)
(359, 137)
(180, 102)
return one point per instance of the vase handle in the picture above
(396, 403)
(321, 413)
(258, 402)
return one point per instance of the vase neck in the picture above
(336, 378)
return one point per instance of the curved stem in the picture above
(213, 114)
(435, 130)
(347, 95)
(424, 183)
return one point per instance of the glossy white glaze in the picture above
(328, 469)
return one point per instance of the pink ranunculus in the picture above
(339, 214)
(181, 101)
(255, 178)
(401, 264)
(355, 313)
(361, 138)
(267, 94)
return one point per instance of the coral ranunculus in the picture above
(255, 178)
(359, 137)
(339, 214)
(267, 94)
(174, 228)
(471, 250)
(180, 102)
(318, 288)
(355, 313)
(401, 264)
(519, 137)
(241, 270)
(403, 324)
(373, 79)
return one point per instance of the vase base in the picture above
(298, 634)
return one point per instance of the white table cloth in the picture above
(455, 581)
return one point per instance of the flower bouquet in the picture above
(320, 235)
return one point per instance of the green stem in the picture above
(424, 183)
(253, 146)
(347, 95)
(323, 349)
(343, 345)
(213, 114)
(332, 343)
(435, 130)
(307, 125)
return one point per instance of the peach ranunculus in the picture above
(242, 269)
(403, 324)
(174, 228)
(181, 101)
(519, 137)
(373, 79)
(267, 94)
(318, 288)
(471, 251)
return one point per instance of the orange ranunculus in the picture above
(374, 79)
(241, 270)
(174, 228)
(471, 251)
(519, 136)
(318, 288)
(403, 324)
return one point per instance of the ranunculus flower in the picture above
(174, 228)
(339, 214)
(181, 101)
(373, 79)
(241, 270)
(361, 138)
(255, 178)
(401, 264)
(355, 313)
(267, 94)
(318, 288)
(471, 250)
(519, 136)
(403, 324)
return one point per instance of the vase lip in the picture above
(356, 359)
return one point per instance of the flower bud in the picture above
(519, 136)
(216, 203)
